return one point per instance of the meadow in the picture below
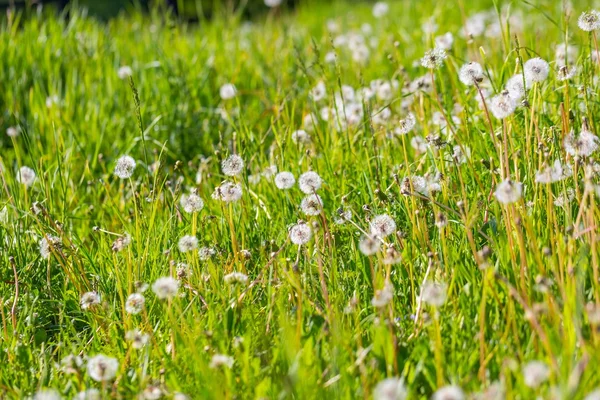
(345, 200)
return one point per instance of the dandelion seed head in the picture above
(47, 244)
(102, 368)
(12, 131)
(124, 72)
(236, 278)
(228, 192)
(369, 245)
(188, 243)
(312, 205)
(450, 392)
(300, 233)
(309, 182)
(232, 165)
(285, 180)
(535, 373)
(445, 41)
(89, 300)
(26, 176)
(382, 225)
(319, 92)
(380, 9)
(384, 296)
(137, 338)
(503, 105)
(589, 21)
(121, 242)
(300, 137)
(553, 173)
(434, 58)
(227, 91)
(434, 293)
(582, 145)
(89, 394)
(47, 394)
(124, 167)
(508, 191)
(406, 125)
(390, 389)
(221, 360)
(191, 203)
(536, 70)
(516, 87)
(135, 303)
(165, 287)
(471, 74)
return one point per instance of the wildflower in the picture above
(382, 225)
(102, 368)
(582, 145)
(553, 173)
(508, 191)
(565, 73)
(284, 180)
(26, 176)
(434, 58)
(232, 165)
(165, 287)
(228, 192)
(319, 92)
(392, 256)
(47, 244)
(309, 182)
(300, 233)
(503, 105)
(390, 389)
(589, 21)
(536, 70)
(227, 91)
(221, 360)
(135, 303)
(535, 373)
(450, 392)
(471, 74)
(89, 300)
(71, 364)
(191, 203)
(205, 253)
(121, 242)
(47, 394)
(434, 293)
(89, 394)
(125, 166)
(236, 278)
(380, 9)
(384, 296)
(137, 338)
(300, 136)
(516, 87)
(445, 41)
(11, 131)
(369, 245)
(312, 204)
(188, 243)
(124, 72)
(595, 395)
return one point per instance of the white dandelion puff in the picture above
(228, 192)
(589, 21)
(300, 136)
(188, 243)
(285, 180)
(227, 91)
(234, 278)
(135, 303)
(312, 205)
(124, 167)
(384, 296)
(508, 191)
(300, 234)
(165, 287)
(124, 72)
(12, 131)
(553, 173)
(450, 392)
(503, 105)
(137, 338)
(369, 245)
(471, 74)
(390, 389)
(445, 41)
(102, 368)
(382, 225)
(582, 145)
(26, 176)
(206, 253)
(221, 360)
(319, 92)
(434, 58)
(191, 203)
(309, 182)
(232, 165)
(434, 293)
(380, 9)
(89, 300)
(536, 70)
(535, 373)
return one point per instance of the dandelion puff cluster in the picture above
(583, 144)
(390, 389)
(102, 368)
(535, 373)
(89, 300)
(434, 293)
(471, 74)
(236, 278)
(369, 245)
(135, 303)
(434, 58)
(191, 203)
(309, 182)
(382, 225)
(228, 192)
(227, 91)
(285, 180)
(232, 165)
(536, 70)
(26, 176)
(503, 105)
(450, 392)
(188, 243)
(589, 21)
(312, 205)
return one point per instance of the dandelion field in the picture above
(350, 200)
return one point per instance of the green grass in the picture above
(522, 278)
